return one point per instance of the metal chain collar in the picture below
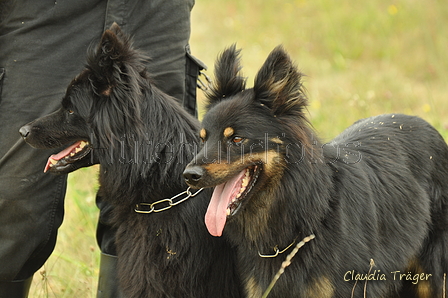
(278, 251)
(166, 204)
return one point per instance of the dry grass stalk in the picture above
(372, 263)
(286, 263)
(444, 285)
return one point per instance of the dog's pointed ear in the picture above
(107, 59)
(117, 74)
(114, 45)
(278, 84)
(228, 79)
(115, 28)
(111, 51)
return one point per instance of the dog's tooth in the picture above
(77, 149)
(228, 211)
(82, 144)
(72, 154)
(242, 189)
(53, 162)
(245, 182)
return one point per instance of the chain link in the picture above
(291, 255)
(277, 251)
(201, 85)
(147, 208)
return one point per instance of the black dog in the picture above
(142, 139)
(375, 198)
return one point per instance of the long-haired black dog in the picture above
(375, 198)
(142, 139)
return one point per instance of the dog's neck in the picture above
(155, 160)
(287, 204)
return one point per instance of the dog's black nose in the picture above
(193, 174)
(24, 131)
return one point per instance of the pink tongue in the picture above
(60, 155)
(216, 216)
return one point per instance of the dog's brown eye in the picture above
(237, 140)
(71, 112)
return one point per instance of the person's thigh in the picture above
(42, 47)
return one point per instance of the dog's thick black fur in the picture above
(375, 197)
(142, 139)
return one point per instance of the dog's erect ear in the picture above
(113, 58)
(118, 75)
(228, 80)
(278, 84)
(108, 56)
(114, 47)
(115, 29)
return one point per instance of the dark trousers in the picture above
(42, 47)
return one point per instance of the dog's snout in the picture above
(25, 131)
(193, 174)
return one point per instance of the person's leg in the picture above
(107, 282)
(31, 210)
(16, 289)
(42, 47)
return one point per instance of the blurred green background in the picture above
(361, 58)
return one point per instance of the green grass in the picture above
(360, 58)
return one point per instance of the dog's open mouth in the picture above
(69, 155)
(227, 198)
